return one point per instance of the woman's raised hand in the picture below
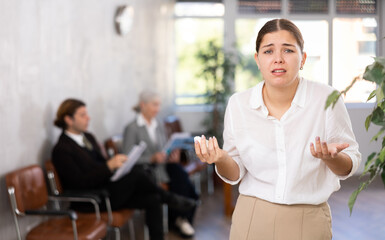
(208, 150)
(326, 151)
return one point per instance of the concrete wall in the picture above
(52, 50)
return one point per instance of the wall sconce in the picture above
(123, 19)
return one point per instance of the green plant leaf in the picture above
(381, 156)
(372, 95)
(353, 196)
(380, 94)
(367, 121)
(378, 116)
(332, 99)
(374, 72)
(380, 60)
(375, 137)
(369, 161)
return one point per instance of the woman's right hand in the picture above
(159, 157)
(209, 152)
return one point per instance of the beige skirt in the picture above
(257, 219)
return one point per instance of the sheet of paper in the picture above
(133, 157)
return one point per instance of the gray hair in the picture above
(144, 97)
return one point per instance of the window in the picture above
(356, 6)
(340, 41)
(308, 6)
(354, 46)
(191, 34)
(247, 73)
(259, 6)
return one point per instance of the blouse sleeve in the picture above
(339, 130)
(229, 144)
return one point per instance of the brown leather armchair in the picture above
(115, 219)
(28, 195)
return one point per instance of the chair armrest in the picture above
(70, 213)
(104, 194)
(93, 199)
(81, 195)
(97, 194)
(101, 193)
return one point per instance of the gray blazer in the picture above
(133, 134)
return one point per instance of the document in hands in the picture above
(133, 157)
(182, 140)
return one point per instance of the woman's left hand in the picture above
(326, 151)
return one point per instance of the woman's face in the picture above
(150, 109)
(279, 58)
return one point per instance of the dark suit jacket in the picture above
(79, 168)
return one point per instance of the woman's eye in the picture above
(289, 51)
(268, 51)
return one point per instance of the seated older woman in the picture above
(164, 168)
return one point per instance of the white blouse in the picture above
(274, 155)
(151, 128)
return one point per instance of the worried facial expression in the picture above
(279, 58)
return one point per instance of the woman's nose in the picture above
(278, 58)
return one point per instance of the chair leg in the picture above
(197, 182)
(74, 229)
(117, 233)
(165, 218)
(12, 198)
(146, 233)
(131, 229)
(210, 180)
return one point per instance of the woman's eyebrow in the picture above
(284, 44)
(288, 45)
(267, 45)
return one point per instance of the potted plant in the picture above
(217, 69)
(375, 164)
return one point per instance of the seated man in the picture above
(81, 165)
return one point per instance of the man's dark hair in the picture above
(67, 108)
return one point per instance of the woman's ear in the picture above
(304, 55)
(256, 59)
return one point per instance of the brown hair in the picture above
(67, 108)
(276, 25)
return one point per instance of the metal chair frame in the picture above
(117, 232)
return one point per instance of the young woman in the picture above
(288, 151)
